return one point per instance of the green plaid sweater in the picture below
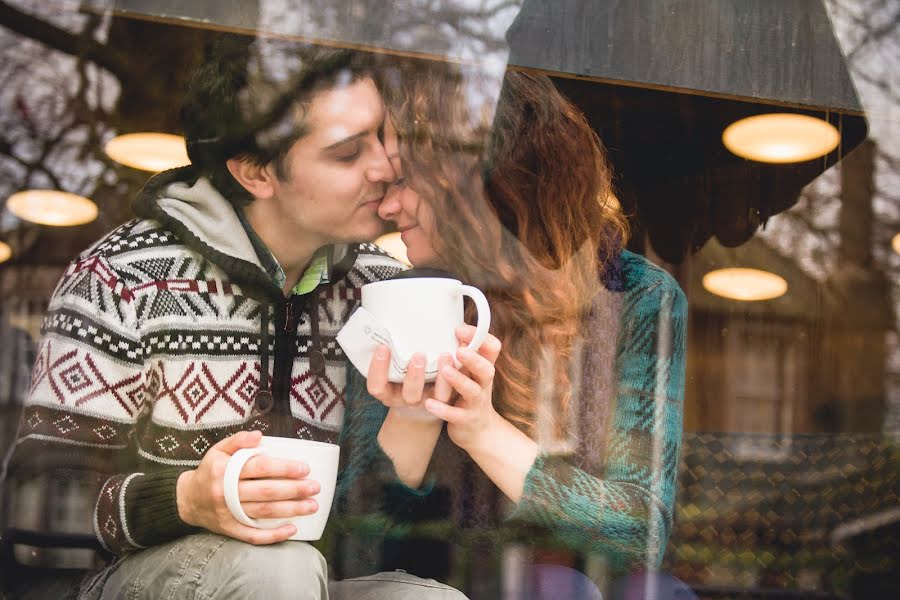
(612, 493)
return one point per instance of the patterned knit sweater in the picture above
(157, 342)
(610, 491)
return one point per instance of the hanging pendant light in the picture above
(781, 138)
(52, 207)
(746, 285)
(148, 151)
(5, 252)
(895, 243)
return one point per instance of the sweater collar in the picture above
(188, 205)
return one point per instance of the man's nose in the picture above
(381, 170)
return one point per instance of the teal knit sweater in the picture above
(613, 492)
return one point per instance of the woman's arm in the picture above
(624, 510)
(622, 505)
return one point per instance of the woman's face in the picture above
(407, 210)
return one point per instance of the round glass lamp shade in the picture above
(148, 151)
(745, 284)
(393, 245)
(781, 138)
(52, 207)
(5, 252)
(895, 243)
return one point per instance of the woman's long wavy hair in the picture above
(523, 209)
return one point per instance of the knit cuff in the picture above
(152, 508)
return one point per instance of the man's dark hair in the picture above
(249, 100)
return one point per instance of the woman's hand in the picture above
(472, 414)
(407, 399)
(409, 432)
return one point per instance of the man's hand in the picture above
(269, 487)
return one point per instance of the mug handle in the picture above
(230, 483)
(484, 315)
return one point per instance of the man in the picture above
(186, 334)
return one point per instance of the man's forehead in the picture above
(345, 110)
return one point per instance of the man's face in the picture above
(336, 175)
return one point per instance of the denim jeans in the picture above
(207, 566)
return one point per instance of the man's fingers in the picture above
(241, 439)
(273, 490)
(261, 537)
(270, 467)
(280, 510)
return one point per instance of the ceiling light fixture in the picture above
(52, 207)
(745, 284)
(781, 138)
(148, 151)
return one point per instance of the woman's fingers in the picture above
(465, 387)
(377, 382)
(445, 412)
(442, 388)
(480, 368)
(490, 347)
(414, 380)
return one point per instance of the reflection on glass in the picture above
(148, 151)
(52, 207)
(745, 284)
(781, 138)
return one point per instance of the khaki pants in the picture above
(207, 566)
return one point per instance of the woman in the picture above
(577, 419)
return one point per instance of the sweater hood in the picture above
(187, 204)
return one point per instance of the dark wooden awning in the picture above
(658, 79)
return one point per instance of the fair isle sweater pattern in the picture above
(151, 353)
(613, 493)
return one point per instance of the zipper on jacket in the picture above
(284, 355)
(289, 316)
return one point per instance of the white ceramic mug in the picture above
(416, 314)
(322, 459)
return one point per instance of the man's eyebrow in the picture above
(351, 138)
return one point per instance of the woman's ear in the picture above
(256, 179)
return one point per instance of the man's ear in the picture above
(256, 179)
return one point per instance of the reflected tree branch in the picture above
(64, 41)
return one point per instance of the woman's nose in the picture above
(390, 205)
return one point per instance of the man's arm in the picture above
(86, 394)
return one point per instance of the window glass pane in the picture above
(680, 232)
